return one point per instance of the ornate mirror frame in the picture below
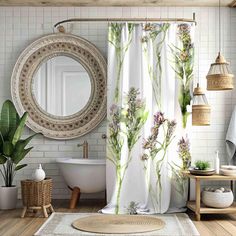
(58, 127)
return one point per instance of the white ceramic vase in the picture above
(39, 174)
(8, 197)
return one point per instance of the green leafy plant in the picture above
(12, 147)
(154, 32)
(156, 147)
(184, 153)
(202, 165)
(132, 208)
(183, 59)
(179, 179)
(125, 125)
(121, 48)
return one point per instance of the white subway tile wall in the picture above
(22, 25)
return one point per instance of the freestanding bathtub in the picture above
(87, 174)
(83, 176)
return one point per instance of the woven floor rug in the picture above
(61, 224)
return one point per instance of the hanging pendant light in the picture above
(219, 76)
(201, 111)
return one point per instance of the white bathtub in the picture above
(87, 174)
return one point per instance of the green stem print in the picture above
(155, 71)
(177, 170)
(115, 39)
(183, 59)
(156, 150)
(125, 126)
(184, 153)
(118, 184)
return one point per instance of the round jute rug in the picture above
(118, 224)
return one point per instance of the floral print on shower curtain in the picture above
(142, 67)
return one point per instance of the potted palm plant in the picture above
(12, 151)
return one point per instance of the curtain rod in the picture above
(127, 20)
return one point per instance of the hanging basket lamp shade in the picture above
(219, 76)
(201, 111)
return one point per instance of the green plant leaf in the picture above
(11, 134)
(20, 128)
(21, 144)
(1, 142)
(8, 148)
(18, 156)
(9, 118)
(20, 167)
(202, 165)
(2, 159)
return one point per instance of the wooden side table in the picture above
(37, 196)
(196, 205)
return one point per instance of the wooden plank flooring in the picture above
(12, 225)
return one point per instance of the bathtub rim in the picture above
(81, 161)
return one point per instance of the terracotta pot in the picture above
(8, 197)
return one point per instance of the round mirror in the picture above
(60, 80)
(61, 86)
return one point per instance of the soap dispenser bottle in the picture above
(39, 174)
(217, 163)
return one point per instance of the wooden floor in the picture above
(12, 225)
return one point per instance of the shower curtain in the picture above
(156, 61)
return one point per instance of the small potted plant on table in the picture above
(12, 151)
(201, 168)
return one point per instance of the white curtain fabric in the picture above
(140, 57)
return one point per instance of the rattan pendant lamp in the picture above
(201, 111)
(219, 76)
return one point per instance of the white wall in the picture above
(22, 25)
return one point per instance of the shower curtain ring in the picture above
(61, 29)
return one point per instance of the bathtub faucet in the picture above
(85, 149)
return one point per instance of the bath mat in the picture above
(118, 224)
(60, 224)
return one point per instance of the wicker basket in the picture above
(36, 194)
(217, 200)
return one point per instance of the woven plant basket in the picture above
(217, 200)
(201, 115)
(36, 194)
(220, 82)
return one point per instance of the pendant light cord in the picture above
(198, 59)
(219, 26)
